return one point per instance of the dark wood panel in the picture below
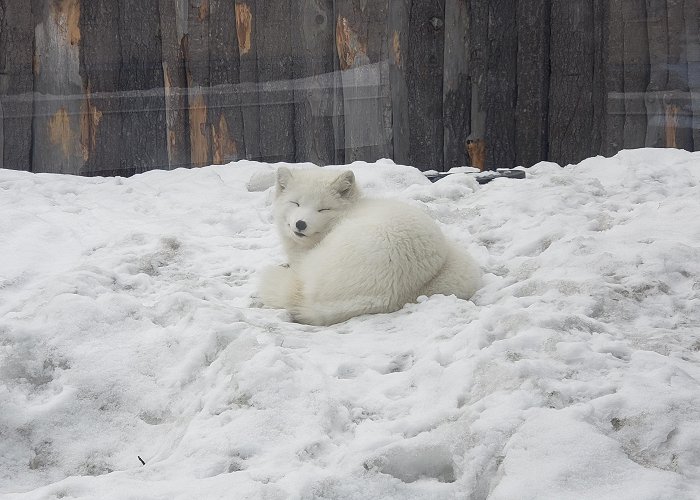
(612, 61)
(362, 51)
(500, 82)
(677, 105)
(456, 86)
(636, 72)
(246, 21)
(424, 78)
(692, 31)
(196, 50)
(275, 74)
(398, 29)
(225, 117)
(173, 22)
(141, 77)
(100, 67)
(571, 83)
(16, 85)
(532, 108)
(313, 33)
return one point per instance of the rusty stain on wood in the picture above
(477, 153)
(90, 118)
(203, 10)
(59, 131)
(244, 27)
(672, 111)
(224, 145)
(348, 44)
(396, 49)
(66, 14)
(198, 131)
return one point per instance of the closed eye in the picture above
(325, 210)
(294, 203)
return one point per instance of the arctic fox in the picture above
(350, 255)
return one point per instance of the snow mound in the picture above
(128, 329)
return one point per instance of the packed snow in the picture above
(129, 328)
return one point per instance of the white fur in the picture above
(356, 255)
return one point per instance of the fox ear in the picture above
(283, 177)
(345, 183)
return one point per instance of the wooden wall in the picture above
(116, 87)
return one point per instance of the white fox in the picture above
(350, 255)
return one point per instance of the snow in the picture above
(128, 328)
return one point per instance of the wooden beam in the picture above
(571, 84)
(532, 107)
(424, 77)
(456, 85)
(16, 85)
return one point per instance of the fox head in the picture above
(310, 202)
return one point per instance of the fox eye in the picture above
(324, 210)
(294, 203)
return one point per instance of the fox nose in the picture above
(301, 225)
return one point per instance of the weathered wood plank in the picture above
(196, 51)
(397, 27)
(500, 82)
(16, 85)
(532, 107)
(692, 32)
(246, 22)
(273, 38)
(100, 63)
(313, 25)
(612, 93)
(57, 145)
(478, 60)
(636, 72)
(571, 84)
(657, 30)
(424, 77)
(141, 78)
(677, 106)
(456, 91)
(226, 120)
(362, 50)
(173, 23)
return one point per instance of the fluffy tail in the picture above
(279, 287)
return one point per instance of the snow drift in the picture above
(128, 328)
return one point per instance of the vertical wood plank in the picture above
(500, 93)
(657, 30)
(173, 23)
(57, 145)
(531, 111)
(100, 59)
(141, 79)
(478, 60)
(16, 85)
(456, 91)
(362, 51)
(274, 53)
(398, 29)
(636, 72)
(571, 84)
(692, 33)
(196, 51)
(677, 106)
(313, 24)
(612, 93)
(225, 117)
(246, 22)
(424, 75)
